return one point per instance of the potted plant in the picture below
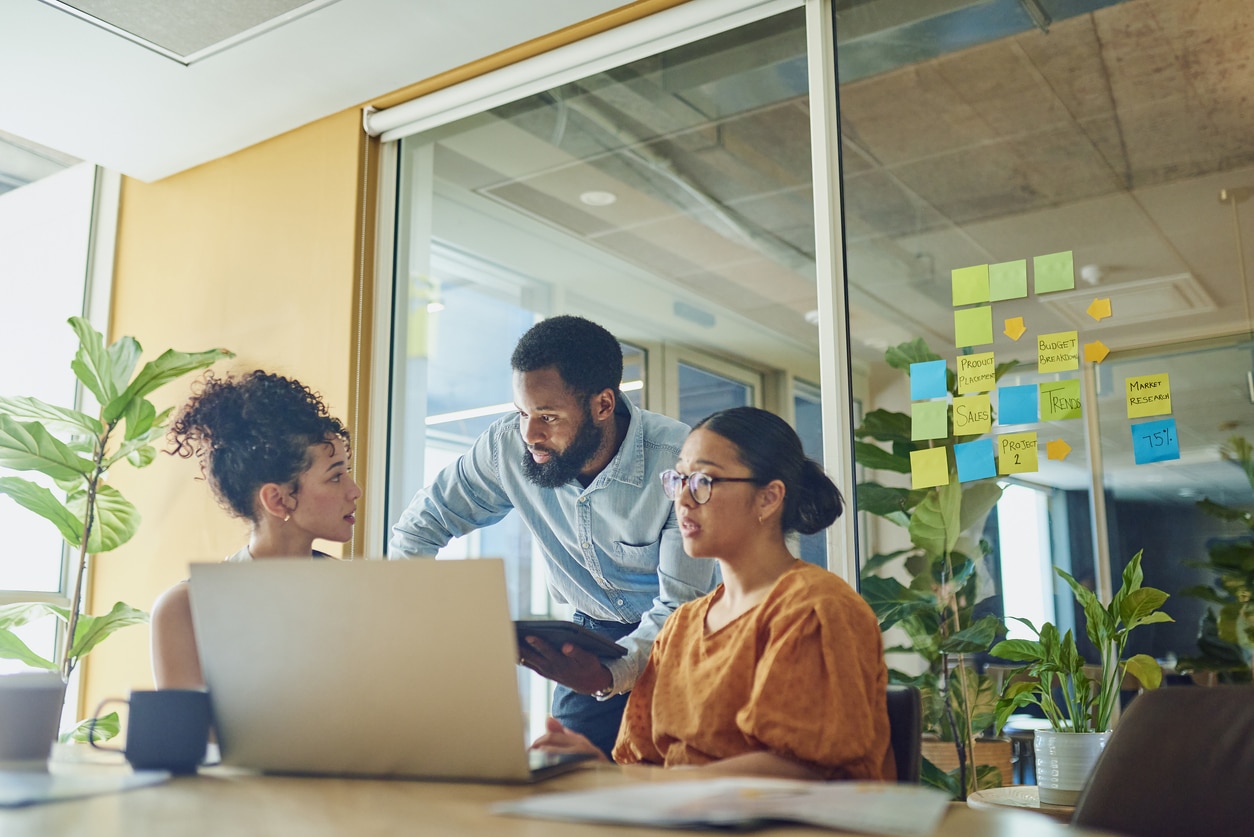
(74, 451)
(935, 609)
(1054, 677)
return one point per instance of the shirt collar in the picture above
(627, 466)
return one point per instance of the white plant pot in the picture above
(1064, 761)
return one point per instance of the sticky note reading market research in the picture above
(973, 326)
(1155, 441)
(929, 420)
(928, 380)
(973, 415)
(1058, 352)
(1060, 400)
(1016, 453)
(975, 460)
(976, 373)
(970, 284)
(928, 468)
(1149, 395)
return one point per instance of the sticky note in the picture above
(1060, 400)
(1054, 272)
(1008, 280)
(929, 420)
(928, 380)
(928, 468)
(1148, 395)
(1014, 328)
(973, 415)
(1017, 405)
(1058, 352)
(973, 326)
(1016, 453)
(970, 284)
(975, 460)
(1155, 441)
(976, 373)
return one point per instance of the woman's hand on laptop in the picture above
(569, 665)
(559, 739)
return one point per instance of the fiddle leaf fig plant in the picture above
(73, 451)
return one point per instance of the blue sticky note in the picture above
(927, 380)
(975, 460)
(1155, 441)
(1017, 405)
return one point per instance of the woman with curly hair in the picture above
(274, 457)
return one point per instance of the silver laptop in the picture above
(364, 668)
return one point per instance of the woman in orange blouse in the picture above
(780, 671)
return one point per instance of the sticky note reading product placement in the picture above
(1058, 352)
(973, 415)
(1008, 280)
(1149, 395)
(1017, 405)
(975, 460)
(1060, 400)
(928, 468)
(1155, 441)
(1016, 453)
(970, 285)
(929, 420)
(976, 373)
(927, 380)
(973, 326)
(1054, 272)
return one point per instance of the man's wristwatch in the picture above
(602, 694)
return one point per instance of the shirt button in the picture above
(583, 500)
(618, 601)
(584, 544)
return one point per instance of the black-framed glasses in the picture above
(700, 484)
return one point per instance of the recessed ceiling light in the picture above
(598, 198)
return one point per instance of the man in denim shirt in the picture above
(580, 463)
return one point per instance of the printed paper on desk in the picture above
(870, 807)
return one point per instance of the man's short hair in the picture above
(587, 356)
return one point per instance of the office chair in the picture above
(905, 724)
(1178, 762)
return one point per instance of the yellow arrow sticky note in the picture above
(1095, 352)
(1057, 449)
(1099, 309)
(1014, 328)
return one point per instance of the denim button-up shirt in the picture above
(613, 549)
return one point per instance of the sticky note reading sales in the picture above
(1017, 405)
(975, 460)
(1016, 453)
(973, 415)
(976, 373)
(929, 420)
(927, 380)
(1060, 400)
(1155, 441)
(970, 284)
(1054, 272)
(928, 468)
(1008, 280)
(1148, 395)
(973, 326)
(1058, 352)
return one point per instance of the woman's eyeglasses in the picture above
(700, 484)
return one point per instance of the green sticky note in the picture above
(970, 284)
(1054, 272)
(973, 326)
(928, 468)
(929, 420)
(1008, 280)
(1060, 400)
(973, 415)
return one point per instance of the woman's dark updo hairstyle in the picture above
(768, 447)
(250, 430)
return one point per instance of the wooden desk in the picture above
(222, 802)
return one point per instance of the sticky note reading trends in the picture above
(973, 415)
(1060, 400)
(928, 468)
(976, 373)
(1016, 453)
(1149, 395)
(1058, 352)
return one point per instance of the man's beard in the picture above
(565, 466)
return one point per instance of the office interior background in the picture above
(759, 198)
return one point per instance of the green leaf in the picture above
(884, 501)
(1222, 512)
(974, 639)
(142, 457)
(987, 776)
(936, 523)
(123, 355)
(28, 446)
(873, 564)
(892, 601)
(92, 630)
(934, 777)
(978, 499)
(1146, 670)
(117, 520)
(168, 367)
(22, 613)
(55, 419)
(92, 364)
(1140, 604)
(12, 648)
(872, 456)
(106, 727)
(885, 425)
(904, 354)
(140, 415)
(1018, 650)
(1099, 625)
(44, 503)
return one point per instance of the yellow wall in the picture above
(260, 253)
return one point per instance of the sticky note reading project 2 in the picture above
(1016, 453)
(1149, 395)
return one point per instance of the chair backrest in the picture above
(1178, 762)
(905, 724)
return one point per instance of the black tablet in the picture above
(556, 633)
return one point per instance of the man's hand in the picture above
(558, 739)
(569, 665)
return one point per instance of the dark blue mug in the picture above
(167, 729)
